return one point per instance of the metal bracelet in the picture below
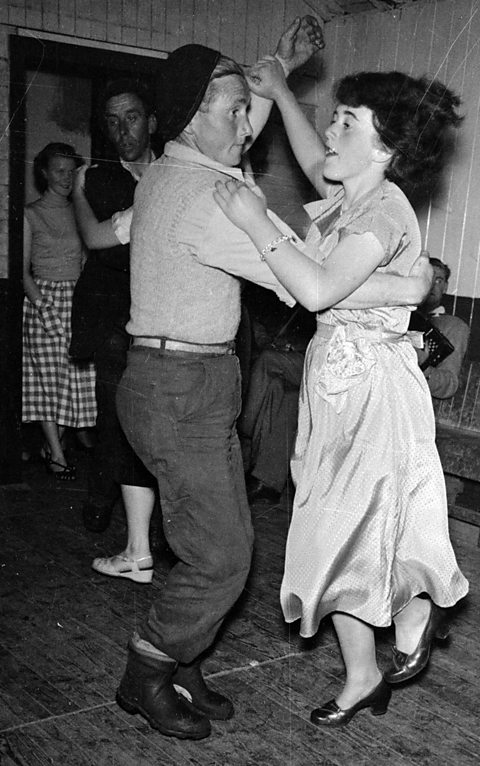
(274, 244)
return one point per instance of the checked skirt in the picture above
(55, 387)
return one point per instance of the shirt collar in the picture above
(182, 152)
(437, 312)
(131, 169)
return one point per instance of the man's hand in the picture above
(299, 42)
(422, 271)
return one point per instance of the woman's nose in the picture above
(330, 132)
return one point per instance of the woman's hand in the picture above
(422, 273)
(49, 317)
(267, 79)
(242, 206)
(79, 178)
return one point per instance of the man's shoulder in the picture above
(183, 181)
(105, 171)
(182, 166)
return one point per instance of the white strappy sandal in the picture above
(121, 566)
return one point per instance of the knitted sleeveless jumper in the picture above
(173, 294)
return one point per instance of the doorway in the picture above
(55, 80)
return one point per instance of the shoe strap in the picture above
(133, 563)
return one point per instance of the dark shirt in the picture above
(101, 300)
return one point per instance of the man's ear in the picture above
(152, 124)
(190, 128)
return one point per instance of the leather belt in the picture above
(179, 345)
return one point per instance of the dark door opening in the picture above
(37, 55)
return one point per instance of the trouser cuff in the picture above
(146, 649)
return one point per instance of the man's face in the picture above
(129, 129)
(222, 132)
(439, 287)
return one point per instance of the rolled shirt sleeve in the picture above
(121, 222)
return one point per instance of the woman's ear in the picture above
(381, 154)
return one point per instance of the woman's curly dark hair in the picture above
(42, 160)
(412, 117)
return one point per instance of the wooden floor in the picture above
(64, 630)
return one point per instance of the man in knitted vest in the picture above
(180, 394)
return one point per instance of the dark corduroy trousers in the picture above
(179, 411)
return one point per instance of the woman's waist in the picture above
(352, 331)
(54, 282)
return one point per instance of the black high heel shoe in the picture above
(66, 474)
(331, 715)
(406, 666)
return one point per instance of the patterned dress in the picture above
(369, 528)
(54, 387)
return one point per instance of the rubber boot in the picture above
(213, 704)
(147, 688)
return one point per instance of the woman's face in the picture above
(352, 143)
(59, 175)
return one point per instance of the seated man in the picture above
(443, 378)
(268, 423)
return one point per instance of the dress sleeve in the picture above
(386, 221)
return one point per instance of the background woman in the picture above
(369, 536)
(56, 391)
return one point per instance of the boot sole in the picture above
(134, 709)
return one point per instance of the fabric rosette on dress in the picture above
(348, 362)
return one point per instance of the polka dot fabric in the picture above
(369, 529)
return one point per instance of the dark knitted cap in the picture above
(185, 78)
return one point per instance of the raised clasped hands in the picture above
(267, 78)
(241, 205)
(299, 42)
(422, 271)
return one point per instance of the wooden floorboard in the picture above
(64, 630)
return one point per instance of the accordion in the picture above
(437, 345)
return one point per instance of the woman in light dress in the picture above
(368, 541)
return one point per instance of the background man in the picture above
(101, 309)
(444, 378)
(268, 423)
